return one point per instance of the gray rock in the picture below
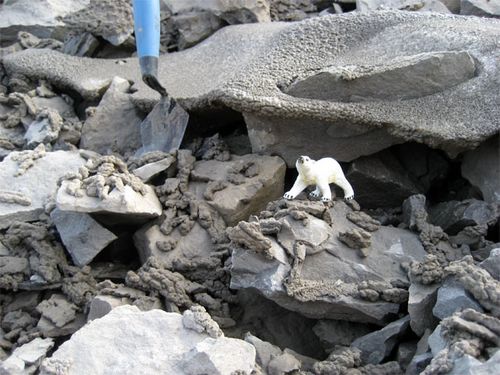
(80, 45)
(151, 170)
(26, 358)
(453, 216)
(62, 105)
(406, 352)
(265, 351)
(482, 169)
(127, 203)
(35, 186)
(283, 364)
(414, 211)
(420, 304)
(254, 180)
(57, 310)
(492, 263)
(221, 356)
(481, 8)
(419, 363)
(193, 246)
(115, 124)
(436, 341)
(415, 5)
(49, 329)
(40, 131)
(40, 18)
(82, 236)
(452, 297)
(12, 265)
(273, 55)
(110, 19)
(339, 332)
(397, 80)
(193, 27)
(125, 340)
(376, 346)
(381, 181)
(331, 273)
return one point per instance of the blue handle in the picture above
(147, 27)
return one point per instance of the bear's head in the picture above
(303, 162)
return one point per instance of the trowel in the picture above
(164, 127)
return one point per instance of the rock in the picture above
(481, 8)
(252, 181)
(111, 19)
(414, 211)
(452, 297)
(376, 346)
(82, 236)
(265, 351)
(481, 168)
(415, 5)
(273, 56)
(49, 329)
(80, 45)
(338, 332)
(222, 356)
(492, 263)
(125, 340)
(57, 310)
(380, 181)
(40, 18)
(326, 280)
(420, 304)
(114, 126)
(151, 170)
(283, 364)
(193, 27)
(419, 363)
(453, 216)
(31, 353)
(193, 246)
(394, 81)
(406, 352)
(34, 185)
(45, 129)
(436, 341)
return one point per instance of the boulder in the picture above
(376, 346)
(453, 216)
(28, 180)
(321, 277)
(114, 125)
(481, 168)
(381, 181)
(420, 304)
(452, 297)
(82, 236)
(128, 341)
(274, 55)
(40, 18)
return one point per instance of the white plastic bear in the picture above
(320, 173)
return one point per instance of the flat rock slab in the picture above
(250, 67)
(127, 203)
(82, 236)
(35, 186)
(128, 341)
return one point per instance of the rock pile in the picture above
(115, 258)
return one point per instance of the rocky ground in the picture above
(116, 261)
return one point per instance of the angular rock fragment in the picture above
(82, 236)
(492, 263)
(481, 8)
(105, 186)
(26, 358)
(317, 275)
(125, 340)
(420, 304)
(114, 125)
(452, 297)
(481, 168)
(80, 45)
(35, 177)
(376, 346)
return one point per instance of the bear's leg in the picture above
(297, 188)
(326, 193)
(316, 193)
(346, 186)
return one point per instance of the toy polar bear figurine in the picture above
(320, 173)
